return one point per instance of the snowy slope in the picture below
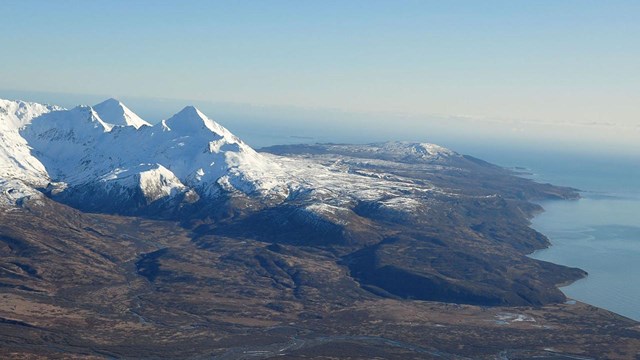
(19, 170)
(155, 181)
(66, 141)
(202, 153)
(16, 161)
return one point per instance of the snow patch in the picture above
(13, 192)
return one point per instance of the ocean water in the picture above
(599, 233)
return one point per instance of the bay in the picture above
(599, 233)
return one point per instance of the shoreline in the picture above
(597, 291)
(550, 244)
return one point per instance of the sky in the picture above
(558, 73)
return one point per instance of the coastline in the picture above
(598, 233)
(570, 250)
(541, 210)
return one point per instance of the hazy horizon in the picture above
(261, 125)
(562, 75)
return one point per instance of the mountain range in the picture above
(124, 239)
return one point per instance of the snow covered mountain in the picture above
(109, 150)
(106, 158)
(107, 153)
(396, 151)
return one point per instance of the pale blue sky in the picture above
(536, 66)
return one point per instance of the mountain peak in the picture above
(192, 120)
(113, 111)
(18, 113)
(112, 101)
(190, 112)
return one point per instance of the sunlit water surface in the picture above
(599, 233)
